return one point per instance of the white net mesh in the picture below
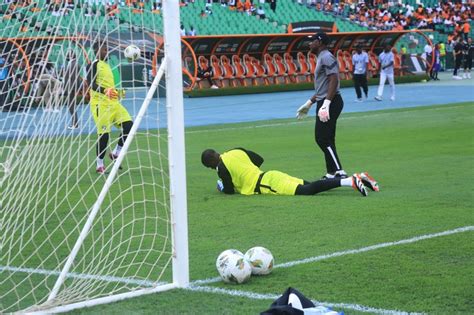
(48, 160)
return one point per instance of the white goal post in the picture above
(70, 237)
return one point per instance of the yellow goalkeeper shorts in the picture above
(108, 113)
(279, 183)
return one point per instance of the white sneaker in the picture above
(464, 76)
(378, 98)
(392, 98)
(358, 100)
(469, 75)
(456, 77)
(214, 86)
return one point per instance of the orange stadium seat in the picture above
(218, 71)
(270, 68)
(303, 68)
(343, 67)
(397, 64)
(348, 61)
(281, 68)
(312, 59)
(229, 71)
(260, 71)
(250, 71)
(240, 72)
(373, 66)
(291, 67)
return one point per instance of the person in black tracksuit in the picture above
(458, 57)
(329, 104)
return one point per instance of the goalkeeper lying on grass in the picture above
(238, 170)
(105, 106)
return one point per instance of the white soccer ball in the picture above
(232, 267)
(261, 260)
(132, 52)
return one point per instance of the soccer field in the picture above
(423, 159)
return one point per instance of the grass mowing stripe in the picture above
(260, 296)
(355, 251)
(359, 115)
(216, 279)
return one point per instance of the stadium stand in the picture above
(232, 70)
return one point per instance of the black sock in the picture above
(318, 186)
(126, 127)
(101, 148)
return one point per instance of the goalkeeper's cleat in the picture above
(100, 170)
(369, 181)
(114, 157)
(358, 185)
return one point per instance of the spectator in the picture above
(442, 55)
(49, 89)
(273, 5)
(73, 84)
(466, 29)
(192, 31)
(403, 52)
(429, 59)
(182, 30)
(207, 74)
(261, 12)
(437, 64)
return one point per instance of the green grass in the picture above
(423, 158)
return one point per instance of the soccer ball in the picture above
(232, 267)
(261, 260)
(132, 53)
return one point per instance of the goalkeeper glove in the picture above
(220, 185)
(302, 112)
(111, 93)
(323, 112)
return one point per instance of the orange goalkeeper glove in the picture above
(111, 93)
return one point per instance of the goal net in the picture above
(72, 235)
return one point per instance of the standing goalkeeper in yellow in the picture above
(105, 106)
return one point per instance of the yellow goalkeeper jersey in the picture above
(243, 172)
(102, 77)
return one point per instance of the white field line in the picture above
(260, 296)
(74, 275)
(354, 251)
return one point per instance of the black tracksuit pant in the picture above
(325, 134)
(360, 81)
(457, 64)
